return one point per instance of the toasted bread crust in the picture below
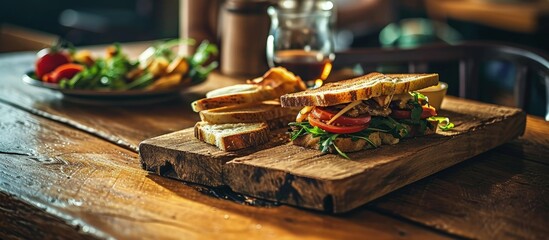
(252, 134)
(360, 88)
(413, 81)
(259, 94)
(260, 112)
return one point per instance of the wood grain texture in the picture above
(494, 193)
(15, 222)
(497, 190)
(533, 145)
(58, 182)
(180, 155)
(307, 178)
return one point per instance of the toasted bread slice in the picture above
(234, 95)
(273, 84)
(408, 82)
(247, 113)
(232, 136)
(360, 88)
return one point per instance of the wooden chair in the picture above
(468, 57)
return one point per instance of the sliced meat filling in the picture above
(369, 106)
(400, 101)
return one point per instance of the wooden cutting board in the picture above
(307, 178)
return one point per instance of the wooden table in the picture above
(72, 171)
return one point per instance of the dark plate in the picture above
(102, 97)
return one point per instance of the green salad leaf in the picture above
(380, 124)
(111, 73)
(204, 51)
(443, 122)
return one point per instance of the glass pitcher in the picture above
(301, 38)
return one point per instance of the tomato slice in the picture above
(326, 115)
(428, 111)
(48, 61)
(333, 128)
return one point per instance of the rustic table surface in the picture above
(72, 171)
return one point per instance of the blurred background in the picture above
(88, 22)
(523, 22)
(27, 25)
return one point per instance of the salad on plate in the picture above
(159, 67)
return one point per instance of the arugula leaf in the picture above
(443, 122)
(164, 49)
(416, 113)
(327, 142)
(83, 79)
(296, 134)
(340, 152)
(327, 139)
(198, 72)
(203, 52)
(142, 81)
(389, 125)
(418, 96)
(416, 106)
(367, 139)
(423, 126)
(376, 130)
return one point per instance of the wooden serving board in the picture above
(307, 178)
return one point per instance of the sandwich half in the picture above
(363, 112)
(243, 115)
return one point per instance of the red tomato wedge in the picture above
(333, 128)
(48, 61)
(326, 115)
(428, 111)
